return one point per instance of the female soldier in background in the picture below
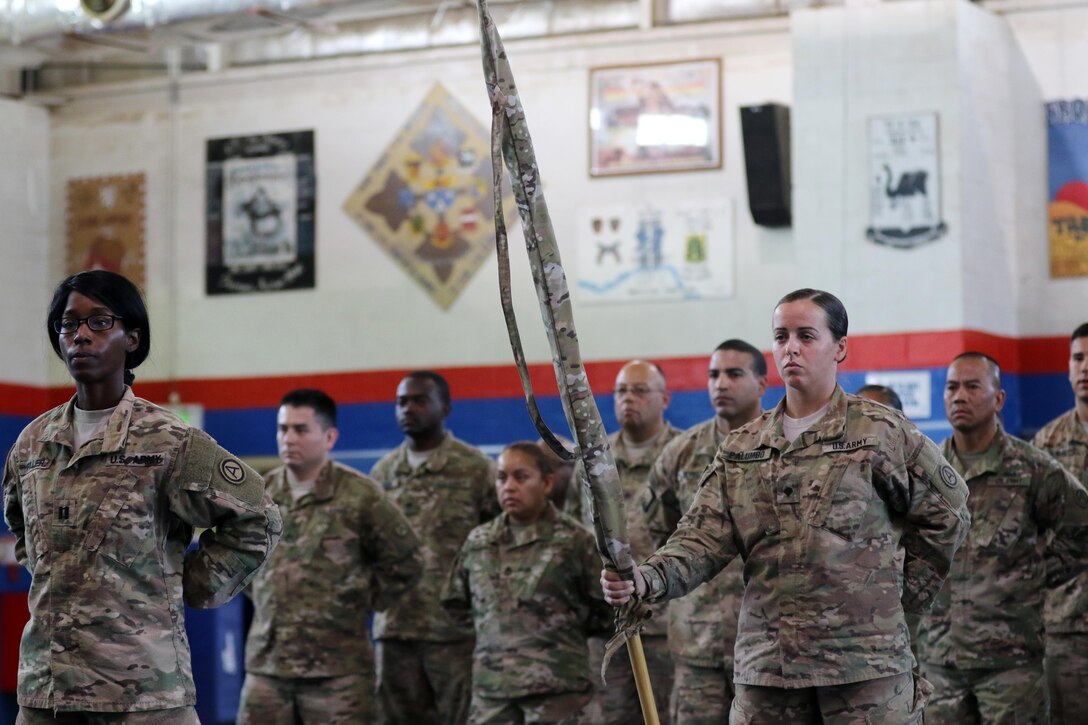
(528, 579)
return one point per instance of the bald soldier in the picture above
(703, 624)
(346, 551)
(640, 397)
(1066, 613)
(982, 644)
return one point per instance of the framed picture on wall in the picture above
(260, 213)
(654, 118)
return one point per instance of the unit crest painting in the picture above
(260, 213)
(105, 225)
(428, 200)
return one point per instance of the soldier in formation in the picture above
(103, 494)
(1066, 612)
(528, 582)
(640, 397)
(444, 487)
(982, 644)
(703, 625)
(346, 551)
(845, 516)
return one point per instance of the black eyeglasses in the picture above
(95, 323)
(639, 391)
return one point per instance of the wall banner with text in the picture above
(260, 211)
(1067, 172)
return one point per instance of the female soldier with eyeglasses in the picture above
(103, 494)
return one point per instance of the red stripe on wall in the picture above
(865, 352)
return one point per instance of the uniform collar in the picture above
(539, 530)
(324, 487)
(434, 463)
(59, 429)
(619, 447)
(989, 462)
(832, 427)
(1072, 427)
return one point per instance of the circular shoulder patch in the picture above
(232, 470)
(1082, 498)
(948, 476)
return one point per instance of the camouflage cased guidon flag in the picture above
(510, 141)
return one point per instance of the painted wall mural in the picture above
(428, 200)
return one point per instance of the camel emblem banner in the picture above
(905, 180)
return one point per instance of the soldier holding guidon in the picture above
(845, 516)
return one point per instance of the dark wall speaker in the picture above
(766, 132)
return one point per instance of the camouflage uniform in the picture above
(618, 702)
(702, 625)
(346, 550)
(425, 656)
(1066, 611)
(988, 620)
(840, 531)
(104, 533)
(534, 594)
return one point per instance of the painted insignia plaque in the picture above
(905, 180)
(428, 200)
(105, 225)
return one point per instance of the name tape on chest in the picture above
(37, 464)
(847, 446)
(763, 454)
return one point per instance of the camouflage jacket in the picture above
(104, 533)
(346, 550)
(1066, 440)
(990, 612)
(534, 593)
(840, 531)
(703, 624)
(443, 500)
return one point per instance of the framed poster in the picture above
(105, 225)
(1067, 172)
(260, 209)
(905, 180)
(651, 118)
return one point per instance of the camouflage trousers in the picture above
(339, 700)
(616, 703)
(895, 700)
(1014, 696)
(172, 716)
(562, 708)
(424, 683)
(701, 695)
(1067, 677)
